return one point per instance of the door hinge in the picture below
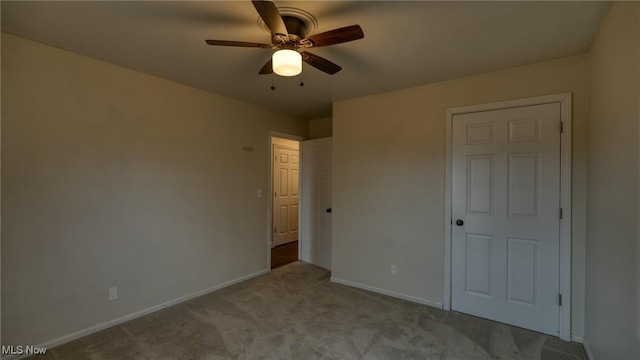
(275, 230)
(560, 299)
(561, 127)
(560, 213)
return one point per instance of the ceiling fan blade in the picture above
(271, 17)
(267, 68)
(337, 36)
(238, 44)
(320, 63)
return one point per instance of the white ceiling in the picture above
(406, 43)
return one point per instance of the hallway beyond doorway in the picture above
(284, 254)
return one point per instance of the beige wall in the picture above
(111, 177)
(388, 184)
(319, 128)
(613, 143)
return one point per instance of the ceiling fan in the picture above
(288, 37)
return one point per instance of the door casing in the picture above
(277, 237)
(565, 196)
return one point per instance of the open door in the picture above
(315, 237)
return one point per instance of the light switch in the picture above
(113, 293)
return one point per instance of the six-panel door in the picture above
(506, 194)
(286, 194)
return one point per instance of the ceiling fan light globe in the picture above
(287, 62)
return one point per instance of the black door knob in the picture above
(329, 210)
(459, 222)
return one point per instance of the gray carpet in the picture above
(294, 312)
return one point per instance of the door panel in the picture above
(293, 218)
(478, 264)
(315, 239)
(480, 184)
(284, 181)
(523, 185)
(506, 190)
(522, 272)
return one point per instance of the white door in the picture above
(286, 164)
(315, 240)
(506, 215)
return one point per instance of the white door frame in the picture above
(565, 196)
(277, 134)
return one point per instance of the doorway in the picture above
(507, 232)
(311, 219)
(285, 196)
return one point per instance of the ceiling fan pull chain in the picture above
(302, 78)
(272, 87)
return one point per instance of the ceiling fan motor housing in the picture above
(297, 28)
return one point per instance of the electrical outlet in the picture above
(394, 270)
(113, 293)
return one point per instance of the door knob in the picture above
(329, 210)
(459, 222)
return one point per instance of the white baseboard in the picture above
(587, 350)
(578, 339)
(93, 329)
(387, 292)
(315, 257)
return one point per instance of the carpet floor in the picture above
(295, 312)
